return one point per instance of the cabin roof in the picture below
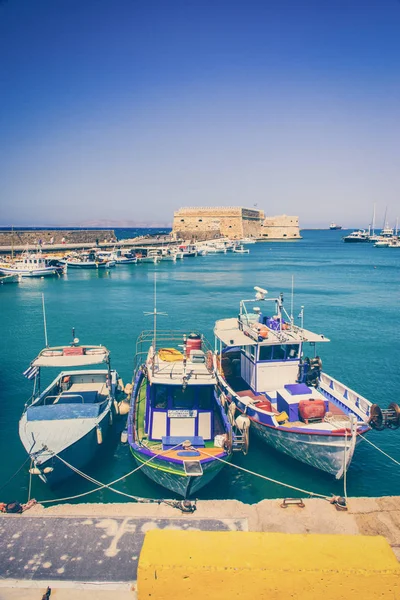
(64, 356)
(172, 373)
(227, 330)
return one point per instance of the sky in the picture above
(123, 111)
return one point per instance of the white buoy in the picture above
(124, 436)
(48, 470)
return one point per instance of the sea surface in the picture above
(351, 294)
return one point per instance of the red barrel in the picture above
(193, 342)
(311, 410)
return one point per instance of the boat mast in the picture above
(44, 322)
(373, 220)
(155, 313)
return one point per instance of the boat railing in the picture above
(345, 395)
(58, 396)
(164, 336)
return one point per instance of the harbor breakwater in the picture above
(56, 237)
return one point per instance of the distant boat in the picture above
(333, 226)
(71, 416)
(361, 235)
(241, 250)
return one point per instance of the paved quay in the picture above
(86, 545)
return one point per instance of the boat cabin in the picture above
(173, 410)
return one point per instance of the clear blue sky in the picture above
(129, 109)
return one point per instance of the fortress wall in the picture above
(210, 222)
(280, 228)
(56, 236)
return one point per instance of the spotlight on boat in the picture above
(261, 293)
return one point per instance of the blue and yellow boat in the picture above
(178, 430)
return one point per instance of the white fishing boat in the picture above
(152, 256)
(86, 260)
(291, 403)
(31, 264)
(168, 255)
(241, 250)
(68, 421)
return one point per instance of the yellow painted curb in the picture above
(208, 565)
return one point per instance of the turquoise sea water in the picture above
(351, 294)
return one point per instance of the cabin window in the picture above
(279, 353)
(183, 398)
(206, 395)
(265, 352)
(160, 398)
(250, 351)
(292, 351)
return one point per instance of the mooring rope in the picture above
(379, 449)
(15, 474)
(106, 485)
(292, 487)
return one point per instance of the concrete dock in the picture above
(96, 547)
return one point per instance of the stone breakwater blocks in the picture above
(195, 565)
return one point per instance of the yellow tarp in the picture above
(170, 354)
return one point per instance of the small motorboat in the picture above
(68, 420)
(241, 250)
(177, 428)
(291, 403)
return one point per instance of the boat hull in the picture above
(47, 272)
(329, 453)
(173, 477)
(79, 454)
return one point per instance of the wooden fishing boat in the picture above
(177, 429)
(291, 403)
(71, 417)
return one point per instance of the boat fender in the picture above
(99, 434)
(246, 436)
(34, 471)
(116, 407)
(231, 413)
(242, 421)
(123, 408)
(228, 442)
(223, 399)
(124, 436)
(48, 470)
(209, 360)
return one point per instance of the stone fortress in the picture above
(202, 223)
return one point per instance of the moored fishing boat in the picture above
(292, 404)
(31, 264)
(69, 419)
(177, 429)
(241, 250)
